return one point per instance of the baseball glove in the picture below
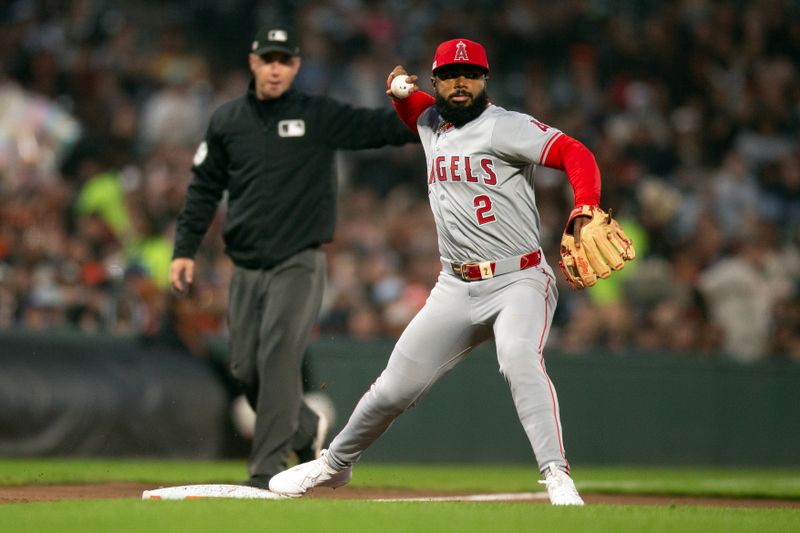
(603, 247)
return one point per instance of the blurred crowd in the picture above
(692, 109)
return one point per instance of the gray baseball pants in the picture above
(517, 310)
(270, 316)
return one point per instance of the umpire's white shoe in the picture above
(306, 476)
(560, 487)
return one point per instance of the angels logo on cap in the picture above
(460, 52)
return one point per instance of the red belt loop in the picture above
(530, 260)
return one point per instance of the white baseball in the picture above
(400, 87)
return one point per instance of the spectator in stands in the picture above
(699, 98)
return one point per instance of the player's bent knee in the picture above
(402, 383)
(397, 400)
(517, 356)
(394, 398)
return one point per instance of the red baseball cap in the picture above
(460, 52)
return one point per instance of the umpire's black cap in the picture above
(276, 38)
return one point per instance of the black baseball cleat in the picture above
(257, 481)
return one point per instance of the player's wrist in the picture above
(582, 210)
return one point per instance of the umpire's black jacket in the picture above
(275, 158)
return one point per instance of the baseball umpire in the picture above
(272, 150)
(495, 282)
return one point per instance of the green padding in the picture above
(625, 410)
(615, 409)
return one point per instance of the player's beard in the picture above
(458, 115)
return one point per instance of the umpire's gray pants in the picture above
(270, 316)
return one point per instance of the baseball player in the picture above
(494, 282)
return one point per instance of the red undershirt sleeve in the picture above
(409, 109)
(578, 162)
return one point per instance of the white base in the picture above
(194, 492)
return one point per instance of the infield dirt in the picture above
(42, 493)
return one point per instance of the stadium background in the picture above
(691, 108)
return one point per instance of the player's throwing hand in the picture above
(400, 84)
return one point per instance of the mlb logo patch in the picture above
(292, 128)
(278, 35)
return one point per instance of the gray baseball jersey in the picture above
(480, 182)
(480, 186)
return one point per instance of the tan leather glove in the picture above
(603, 247)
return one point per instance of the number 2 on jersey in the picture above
(484, 205)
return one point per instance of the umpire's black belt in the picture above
(476, 271)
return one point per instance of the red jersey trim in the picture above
(547, 147)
